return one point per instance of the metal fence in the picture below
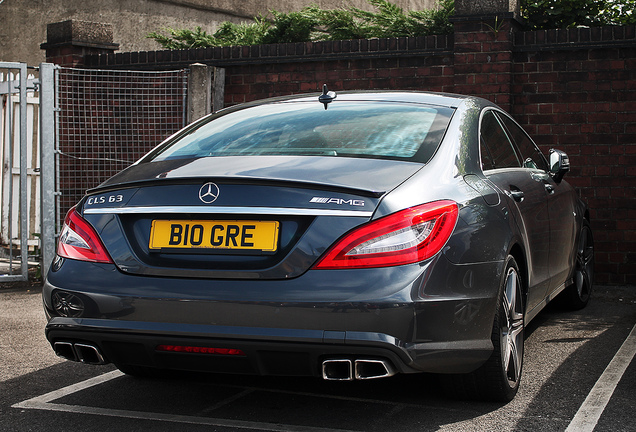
(27, 173)
(65, 131)
(16, 160)
(109, 119)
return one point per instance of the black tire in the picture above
(577, 295)
(498, 379)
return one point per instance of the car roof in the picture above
(440, 99)
(428, 98)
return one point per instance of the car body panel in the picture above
(387, 310)
(533, 221)
(286, 315)
(321, 172)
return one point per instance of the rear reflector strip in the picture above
(199, 350)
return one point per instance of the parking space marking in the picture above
(590, 412)
(585, 419)
(60, 393)
(43, 402)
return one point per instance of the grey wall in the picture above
(23, 22)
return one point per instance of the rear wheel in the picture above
(498, 379)
(577, 295)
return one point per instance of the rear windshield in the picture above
(383, 130)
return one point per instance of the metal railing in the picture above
(81, 128)
(27, 181)
(14, 149)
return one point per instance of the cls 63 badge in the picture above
(105, 199)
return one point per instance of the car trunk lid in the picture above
(236, 217)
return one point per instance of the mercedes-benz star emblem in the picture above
(208, 193)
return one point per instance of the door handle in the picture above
(517, 195)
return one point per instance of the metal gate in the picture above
(65, 130)
(26, 111)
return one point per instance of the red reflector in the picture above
(200, 350)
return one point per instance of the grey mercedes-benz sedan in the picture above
(344, 236)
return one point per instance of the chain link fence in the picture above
(110, 118)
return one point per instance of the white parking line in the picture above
(590, 412)
(43, 402)
(65, 391)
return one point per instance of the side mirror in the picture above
(559, 164)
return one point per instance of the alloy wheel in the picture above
(584, 272)
(512, 327)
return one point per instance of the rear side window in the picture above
(532, 156)
(352, 129)
(496, 149)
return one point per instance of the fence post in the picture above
(68, 42)
(24, 225)
(218, 95)
(47, 165)
(199, 91)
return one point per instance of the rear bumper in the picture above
(421, 318)
(267, 351)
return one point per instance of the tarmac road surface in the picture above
(568, 357)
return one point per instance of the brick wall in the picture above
(571, 89)
(576, 90)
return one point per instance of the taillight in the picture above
(79, 241)
(405, 237)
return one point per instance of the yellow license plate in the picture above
(214, 235)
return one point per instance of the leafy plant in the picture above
(183, 39)
(437, 20)
(228, 34)
(313, 24)
(241, 34)
(547, 14)
(338, 24)
(389, 20)
(290, 27)
(620, 12)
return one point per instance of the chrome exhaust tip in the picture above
(337, 370)
(372, 369)
(89, 354)
(65, 350)
(79, 352)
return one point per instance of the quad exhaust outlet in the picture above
(80, 352)
(360, 369)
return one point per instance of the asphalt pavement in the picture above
(569, 358)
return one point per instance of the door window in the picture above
(530, 153)
(496, 149)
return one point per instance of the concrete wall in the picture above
(23, 22)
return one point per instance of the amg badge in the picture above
(339, 201)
